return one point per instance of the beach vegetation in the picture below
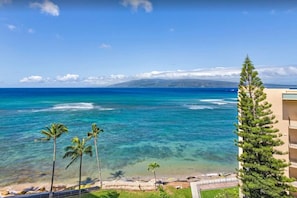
(152, 167)
(162, 192)
(52, 133)
(260, 172)
(76, 152)
(94, 134)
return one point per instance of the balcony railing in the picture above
(290, 95)
(293, 165)
(293, 145)
(293, 127)
(292, 123)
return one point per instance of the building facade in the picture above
(284, 107)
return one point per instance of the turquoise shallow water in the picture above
(187, 131)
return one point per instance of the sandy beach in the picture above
(124, 183)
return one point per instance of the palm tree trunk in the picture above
(155, 180)
(79, 181)
(98, 162)
(53, 169)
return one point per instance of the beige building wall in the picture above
(284, 107)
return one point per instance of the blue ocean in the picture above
(187, 131)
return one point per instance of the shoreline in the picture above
(139, 183)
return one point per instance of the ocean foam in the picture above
(215, 101)
(199, 107)
(104, 108)
(74, 106)
(79, 106)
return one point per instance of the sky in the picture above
(94, 43)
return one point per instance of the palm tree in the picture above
(76, 151)
(152, 167)
(94, 134)
(53, 132)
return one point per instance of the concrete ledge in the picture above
(196, 187)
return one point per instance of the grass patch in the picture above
(120, 194)
(221, 193)
(167, 192)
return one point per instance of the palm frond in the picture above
(76, 140)
(153, 166)
(60, 129)
(73, 160)
(45, 139)
(90, 134)
(88, 150)
(77, 149)
(69, 148)
(47, 133)
(95, 131)
(69, 154)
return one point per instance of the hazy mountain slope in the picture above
(175, 83)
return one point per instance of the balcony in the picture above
(293, 165)
(293, 153)
(293, 146)
(293, 127)
(290, 111)
(290, 95)
(293, 135)
(293, 170)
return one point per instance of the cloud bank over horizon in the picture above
(275, 75)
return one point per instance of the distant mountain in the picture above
(175, 83)
(186, 83)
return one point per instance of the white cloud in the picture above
(107, 80)
(2, 2)
(135, 4)
(273, 75)
(32, 79)
(68, 77)
(47, 7)
(218, 72)
(11, 27)
(105, 46)
(278, 71)
(31, 31)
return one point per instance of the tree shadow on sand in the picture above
(117, 175)
(89, 180)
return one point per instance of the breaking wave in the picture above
(215, 101)
(198, 107)
(220, 101)
(79, 106)
(74, 106)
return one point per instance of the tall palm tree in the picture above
(94, 134)
(75, 152)
(152, 167)
(53, 132)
